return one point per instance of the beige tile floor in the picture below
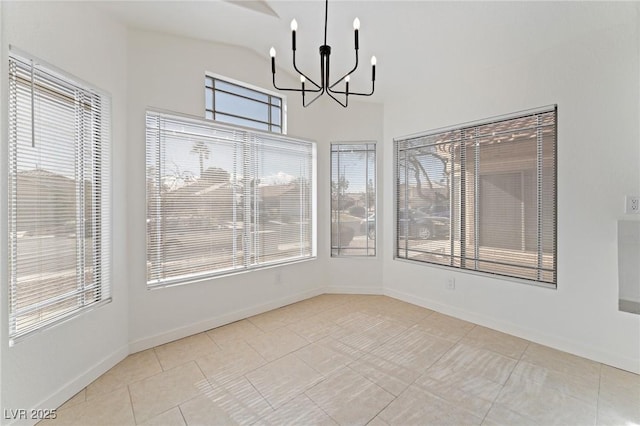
(356, 360)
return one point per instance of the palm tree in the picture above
(203, 152)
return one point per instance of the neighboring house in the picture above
(210, 198)
(200, 199)
(195, 225)
(510, 185)
(282, 202)
(53, 196)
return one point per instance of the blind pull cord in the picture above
(33, 110)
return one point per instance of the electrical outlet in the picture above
(451, 283)
(633, 204)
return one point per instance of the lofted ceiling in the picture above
(414, 41)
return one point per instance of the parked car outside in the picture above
(368, 226)
(422, 225)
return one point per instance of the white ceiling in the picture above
(414, 41)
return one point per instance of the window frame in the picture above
(477, 123)
(243, 85)
(249, 240)
(100, 170)
(339, 248)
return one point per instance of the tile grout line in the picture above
(133, 411)
(206, 333)
(310, 366)
(506, 381)
(223, 389)
(317, 405)
(184, 419)
(595, 421)
(365, 378)
(261, 395)
(450, 349)
(395, 397)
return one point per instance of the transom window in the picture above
(481, 197)
(59, 196)
(238, 103)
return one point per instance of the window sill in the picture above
(180, 281)
(480, 274)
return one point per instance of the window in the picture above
(353, 199)
(481, 197)
(59, 196)
(223, 199)
(238, 103)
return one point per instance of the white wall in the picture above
(167, 72)
(594, 80)
(46, 369)
(364, 122)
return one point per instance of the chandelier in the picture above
(316, 90)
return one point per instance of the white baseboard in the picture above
(76, 384)
(217, 321)
(557, 342)
(337, 289)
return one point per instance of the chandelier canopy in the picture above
(325, 85)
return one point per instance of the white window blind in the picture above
(59, 186)
(481, 197)
(353, 199)
(222, 199)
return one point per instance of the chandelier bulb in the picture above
(347, 79)
(373, 61)
(356, 24)
(272, 52)
(302, 79)
(294, 25)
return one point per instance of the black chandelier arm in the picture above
(295, 67)
(346, 102)
(306, 104)
(284, 89)
(337, 92)
(347, 74)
